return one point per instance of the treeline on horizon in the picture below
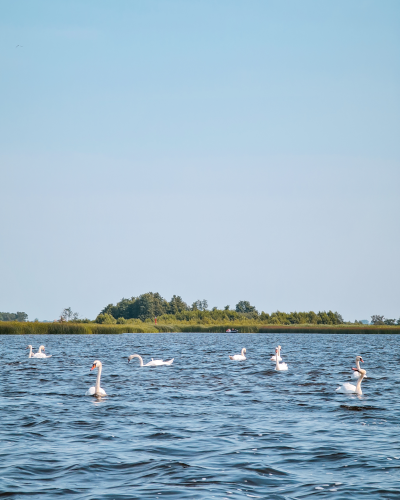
(148, 306)
(18, 316)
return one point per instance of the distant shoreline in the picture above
(70, 328)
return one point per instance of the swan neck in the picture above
(97, 388)
(140, 359)
(358, 386)
(276, 360)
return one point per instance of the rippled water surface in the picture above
(205, 427)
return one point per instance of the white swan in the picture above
(41, 354)
(153, 362)
(30, 351)
(356, 373)
(279, 366)
(273, 358)
(347, 388)
(96, 390)
(239, 357)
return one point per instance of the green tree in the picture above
(177, 305)
(196, 306)
(108, 309)
(244, 306)
(332, 318)
(323, 318)
(339, 318)
(264, 317)
(377, 320)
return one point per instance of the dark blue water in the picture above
(205, 427)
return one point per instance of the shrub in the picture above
(105, 319)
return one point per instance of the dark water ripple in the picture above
(205, 427)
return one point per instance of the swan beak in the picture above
(362, 361)
(93, 367)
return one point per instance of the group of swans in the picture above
(96, 390)
(276, 357)
(346, 388)
(359, 373)
(39, 354)
(279, 366)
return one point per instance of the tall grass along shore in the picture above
(71, 328)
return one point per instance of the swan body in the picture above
(279, 366)
(39, 354)
(347, 388)
(273, 358)
(356, 373)
(153, 362)
(239, 357)
(96, 390)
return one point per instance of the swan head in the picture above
(359, 358)
(42, 348)
(131, 357)
(29, 347)
(96, 364)
(362, 372)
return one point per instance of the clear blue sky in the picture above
(230, 150)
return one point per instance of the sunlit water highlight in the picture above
(205, 427)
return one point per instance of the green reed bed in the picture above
(252, 328)
(70, 328)
(329, 329)
(36, 328)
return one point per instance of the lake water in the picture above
(205, 427)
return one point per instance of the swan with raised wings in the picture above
(239, 357)
(40, 354)
(356, 373)
(153, 362)
(279, 366)
(347, 388)
(273, 358)
(96, 390)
